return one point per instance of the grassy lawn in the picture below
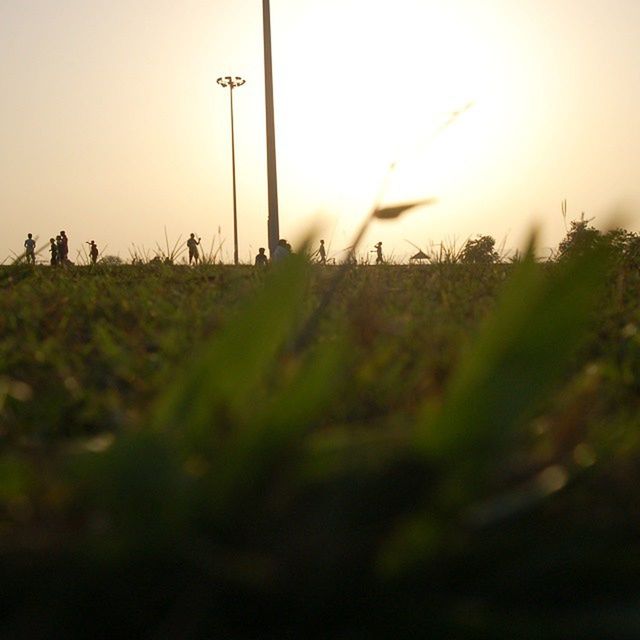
(452, 453)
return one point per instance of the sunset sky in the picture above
(112, 125)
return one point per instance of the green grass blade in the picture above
(522, 350)
(220, 386)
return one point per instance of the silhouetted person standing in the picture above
(93, 251)
(261, 258)
(322, 253)
(59, 250)
(53, 250)
(64, 248)
(192, 243)
(30, 249)
(379, 258)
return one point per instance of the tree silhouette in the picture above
(480, 250)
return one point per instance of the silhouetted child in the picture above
(192, 243)
(53, 250)
(30, 249)
(322, 253)
(379, 258)
(261, 258)
(93, 251)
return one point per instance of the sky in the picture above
(113, 128)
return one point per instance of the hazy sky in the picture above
(112, 125)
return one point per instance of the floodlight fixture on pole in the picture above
(233, 82)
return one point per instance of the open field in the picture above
(452, 451)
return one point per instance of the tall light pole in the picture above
(232, 82)
(273, 224)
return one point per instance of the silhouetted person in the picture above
(59, 250)
(261, 258)
(64, 248)
(30, 249)
(282, 250)
(322, 253)
(379, 258)
(192, 243)
(93, 251)
(53, 250)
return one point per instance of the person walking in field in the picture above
(53, 250)
(379, 258)
(30, 249)
(93, 251)
(261, 258)
(322, 253)
(192, 244)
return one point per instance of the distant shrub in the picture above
(111, 260)
(583, 237)
(624, 244)
(480, 250)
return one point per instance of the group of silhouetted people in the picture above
(282, 250)
(59, 250)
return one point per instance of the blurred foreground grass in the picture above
(455, 455)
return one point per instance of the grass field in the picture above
(451, 451)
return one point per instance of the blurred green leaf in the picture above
(135, 493)
(300, 403)
(220, 386)
(16, 478)
(524, 347)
